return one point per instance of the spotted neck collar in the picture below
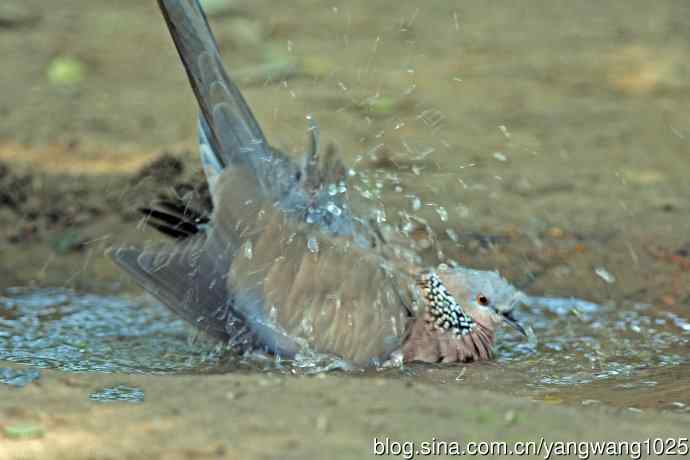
(442, 310)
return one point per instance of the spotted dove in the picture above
(284, 264)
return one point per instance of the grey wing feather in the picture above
(184, 277)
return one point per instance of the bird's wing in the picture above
(337, 297)
(327, 293)
(186, 277)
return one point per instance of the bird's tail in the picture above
(227, 127)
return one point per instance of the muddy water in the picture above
(633, 356)
(549, 141)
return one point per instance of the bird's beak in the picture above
(509, 318)
(508, 314)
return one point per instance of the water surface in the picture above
(633, 356)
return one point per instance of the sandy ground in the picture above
(559, 135)
(264, 417)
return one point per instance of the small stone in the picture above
(605, 275)
(500, 156)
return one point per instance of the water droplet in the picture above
(452, 234)
(332, 189)
(333, 209)
(379, 215)
(313, 245)
(307, 326)
(248, 249)
(442, 213)
(416, 203)
(342, 187)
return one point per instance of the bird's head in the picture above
(484, 295)
(462, 309)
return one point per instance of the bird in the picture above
(284, 263)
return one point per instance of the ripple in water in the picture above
(75, 332)
(601, 351)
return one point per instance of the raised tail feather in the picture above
(230, 136)
(233, 133)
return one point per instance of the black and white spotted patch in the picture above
(445, 312)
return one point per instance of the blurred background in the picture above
(547, 139)
(551, 120)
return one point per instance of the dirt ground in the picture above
(226, 416)
(558, 135)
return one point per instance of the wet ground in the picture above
(548, 141)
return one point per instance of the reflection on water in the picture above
(629, 355)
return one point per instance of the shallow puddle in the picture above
(118, 393)
(627, 355)
(74, 332)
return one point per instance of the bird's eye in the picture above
(482, 300)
